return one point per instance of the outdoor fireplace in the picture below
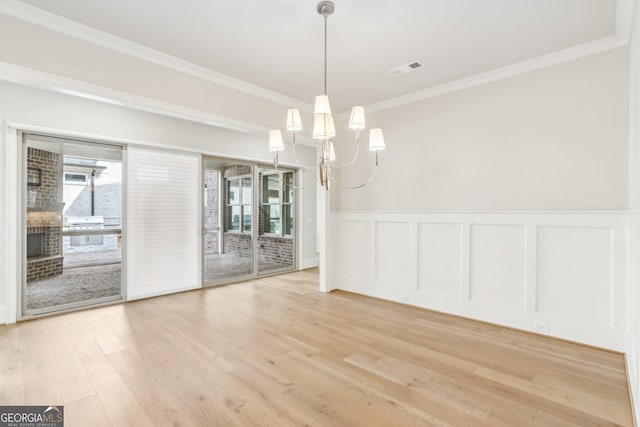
(35, 245)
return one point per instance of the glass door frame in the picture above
(22, 311)
(221, 225)
(294, 229)
(255, 207)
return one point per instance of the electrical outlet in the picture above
(404, 299)
(542, 327)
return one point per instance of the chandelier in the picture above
(324, 128)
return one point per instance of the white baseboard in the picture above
(3, 315)
(309, 263)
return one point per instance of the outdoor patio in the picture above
(224, 266)
(91, 275)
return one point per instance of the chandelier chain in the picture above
(325, 54)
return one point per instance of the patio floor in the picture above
(74, 285)
(92, 275)
(225, 266)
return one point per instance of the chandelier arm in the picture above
(295, 156)
(355, 157)
(373, 175)
(302, 187)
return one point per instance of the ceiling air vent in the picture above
(404, 69)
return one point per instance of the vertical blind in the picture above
(163, 222)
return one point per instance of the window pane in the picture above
(233, 218)
(271, 219)
(246, 220)
(287, 187)
(233, 192)
(247, 192)
(287, 220)
(270, 189)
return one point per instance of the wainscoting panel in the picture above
(393, 267)
(440, 248)
(497, 264)
(354, 253)
(569, 259)
(561, 274)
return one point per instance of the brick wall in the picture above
(275, 250)
(107, 201)
(271, 249)
(48, 193)
(44, 209)
(107, 194)
(237, 170)
(237, 244)
(211, 211)
(43, 268)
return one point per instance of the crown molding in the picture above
(624, 24)
(559, 57)
(54, 83)
(72, 28)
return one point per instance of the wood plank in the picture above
(162, 408)
(86, 412)
(274, 351)
(11, 392)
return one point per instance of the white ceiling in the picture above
(277, 44)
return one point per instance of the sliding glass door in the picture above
(276, 242)
(72, 224)
(248, 220)
(227, 230)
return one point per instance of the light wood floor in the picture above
(275, 352)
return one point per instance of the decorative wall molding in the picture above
(72, 28)
(563, 274)
(52, 82)
(624, 17)
(559, 57)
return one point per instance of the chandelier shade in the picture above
(376, 140)
(322, 105)
(357, 118)
(323, 126)
(275, 140)
(294, 122)
(324, 129)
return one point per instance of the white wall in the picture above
(552, 139)
(52, 110)
(504, 202)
